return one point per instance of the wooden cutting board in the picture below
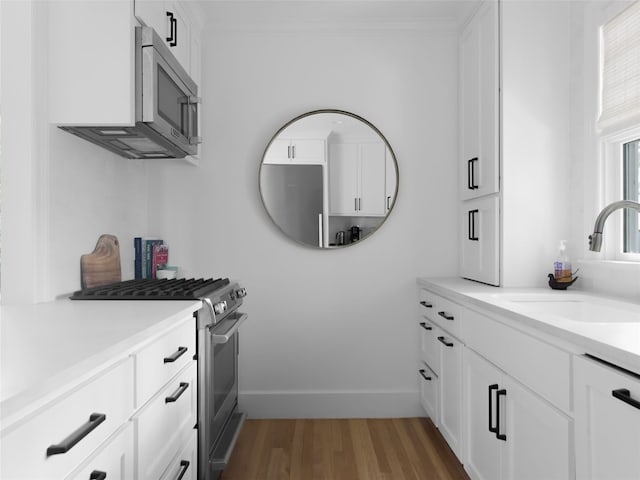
(102, 266)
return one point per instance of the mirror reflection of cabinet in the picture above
(328, 179)
(357, 174)
(301, 150)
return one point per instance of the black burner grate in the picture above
(148, 289)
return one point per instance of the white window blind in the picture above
(621, 71)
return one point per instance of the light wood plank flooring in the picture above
(345, 449)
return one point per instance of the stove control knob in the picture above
(242, 292)
(219, 308)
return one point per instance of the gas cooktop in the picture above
(153, 289)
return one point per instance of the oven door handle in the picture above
(224, 337)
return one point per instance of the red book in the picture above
(159, 257)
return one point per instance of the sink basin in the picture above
(582, 310)
(577, 308)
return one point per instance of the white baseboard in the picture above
(358, 404)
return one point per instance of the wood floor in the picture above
(345, 449)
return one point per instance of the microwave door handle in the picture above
(193, 100)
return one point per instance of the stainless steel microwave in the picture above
(166, 107)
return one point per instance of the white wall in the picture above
(59, 192)
(330, 333)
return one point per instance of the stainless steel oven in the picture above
(217, 350)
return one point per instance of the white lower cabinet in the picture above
(114, 461)
(607, 422)
(450, 418)
(511, 434)
(429, 392)
(480, 250)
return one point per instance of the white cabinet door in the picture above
(607, 422)
(538, 437)
(307, 151)
(372, 180)
(115, 460)
(512, 434)
(171, 23)
(482, 450)
(429, 392)
(479, 93)
(480, 259)
(451, 391)
(391, 180)
(343, 178)
(429, 345)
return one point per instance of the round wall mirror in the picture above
(328, 179)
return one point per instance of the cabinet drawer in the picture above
(441, 311)
(429, 346)
(162, 359)
(185, 464)
(96, 410)
(165, 423)
(115, 459)
(543, 368)
(429, 393)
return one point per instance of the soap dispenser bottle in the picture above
(562, 266)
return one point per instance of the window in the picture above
(619, 121)
(631, 191)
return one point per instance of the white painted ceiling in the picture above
(326, 12)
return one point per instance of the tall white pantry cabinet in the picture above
(514, 138)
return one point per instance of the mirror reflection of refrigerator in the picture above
(294, 194)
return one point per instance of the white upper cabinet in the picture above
(357, 184)
(170, 20)
(92, 58)
(480, 253)
(283, 151)
(479, 104)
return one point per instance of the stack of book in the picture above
(150, 253)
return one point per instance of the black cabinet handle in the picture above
(471, 217)
(426, 304)
(174, 356)
(625, 395)
(425, 326)
(471, 177)
(447, 344)
(492, 429)
(499, 435)
(388, 203)
(97, 475)
(446, 315)
(184, 466)
(178, 393)
(68, 443)
(173, 39)
(422, 372)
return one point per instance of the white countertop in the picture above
(52, 346)
(616, 342)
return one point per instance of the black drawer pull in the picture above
(422, 372)
(447, 344)
(173, 357)
(176, 395)
(471, 177)
(471, 234)
(184, 466)
(625, 395)
(499, 435)
(68, 443)
(425, 326)
(492, 429)
(426, 304)
(446, 315)
(97, 475)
